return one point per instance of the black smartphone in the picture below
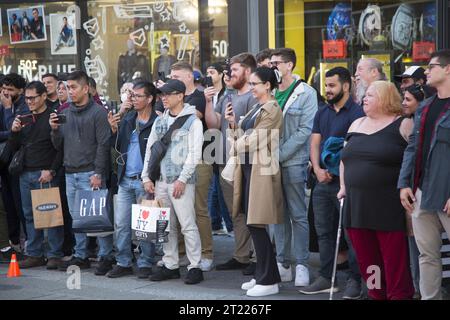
(161, 76)
(26, 119)
(208, 82)
(61, 118)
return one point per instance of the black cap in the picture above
(415, 72)
(173, 86)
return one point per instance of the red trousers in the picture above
(387, 250)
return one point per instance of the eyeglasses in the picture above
(32, 98)
(276, 63)
(432, 65)
(165, 95)
(138, 96)
(252, 84)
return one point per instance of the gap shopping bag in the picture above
(93, 211)
(150, 222)
(47, 211)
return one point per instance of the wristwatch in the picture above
(98, 176)
(53, 173)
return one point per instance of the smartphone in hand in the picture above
(27, 119)
(61, 118)
(209, 82)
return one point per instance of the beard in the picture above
(361, 89)
(336, 98)
(239, 83)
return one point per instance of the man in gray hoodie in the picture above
(85, 140)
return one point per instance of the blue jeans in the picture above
(296, 223)
(326, 219)
(217, 207)
(29, 180)
(130, 191)
(81, 181)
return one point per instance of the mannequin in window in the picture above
(132, 65)
(163, 63)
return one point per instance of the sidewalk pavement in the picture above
(41, 284)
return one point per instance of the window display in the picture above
(341, 32)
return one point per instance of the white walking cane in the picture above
(333, 276)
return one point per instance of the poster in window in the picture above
(26, 24)
(63, 38)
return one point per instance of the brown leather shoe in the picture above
(31, 262)
(53, 263)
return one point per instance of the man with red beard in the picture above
(367, 71)
(241, 66)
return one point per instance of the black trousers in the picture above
(69, 238)
(13, 205)
(266, 272)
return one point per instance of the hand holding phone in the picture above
(161, 76)
(26, 119)
(229, 114)
(209, 82)
(61, 118)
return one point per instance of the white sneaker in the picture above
(248, 285)
(285, 274)
(206, 265)
(261, 291)
(301, 276)
(160, 263)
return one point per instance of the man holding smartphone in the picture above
(85, 140)
(12, 104)
(40, 163)
(241, 66)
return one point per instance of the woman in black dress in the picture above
(373, 214)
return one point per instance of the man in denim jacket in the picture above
(424, 180)
(299, 104)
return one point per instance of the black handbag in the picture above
(6, 154)
(16, 165)
(159, 149)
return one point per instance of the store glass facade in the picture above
(326, 34)
(113, 41)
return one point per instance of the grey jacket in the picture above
(85, 138)
(298, 113)
(436, 181)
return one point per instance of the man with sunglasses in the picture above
(129, 139)
(424, 181)
(40, 163)
(12, 104)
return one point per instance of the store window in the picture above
(340, 32)
(214, 31)
(141, 39)
(37, 38)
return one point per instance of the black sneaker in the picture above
(250, 270)
(104, 266)
(75, 261)
(118, 271)
(144, 273)
(194, 276)
(232, 264)
(165, 274)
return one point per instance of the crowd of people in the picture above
(237, 156)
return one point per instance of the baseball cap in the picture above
(415, 72)
(173, 85)
(197, 75)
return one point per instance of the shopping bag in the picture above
(92, 211)
(150, 221)
(107, 233)
(47, 211)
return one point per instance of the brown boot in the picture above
(31, 262)
(53, 263)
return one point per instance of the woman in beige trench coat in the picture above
(257, 177)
